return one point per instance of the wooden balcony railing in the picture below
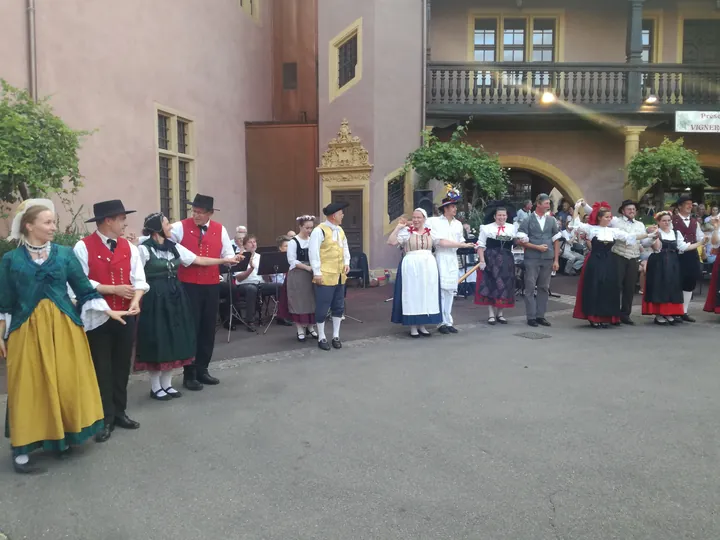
(454, 84)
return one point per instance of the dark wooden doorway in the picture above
(701, 46)
(353, 221)
(281, 177)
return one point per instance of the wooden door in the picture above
(281, 177)
(353, 221)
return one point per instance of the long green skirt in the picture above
(166, 329)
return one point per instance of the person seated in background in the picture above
(278, 281)
(708, 254)
(240, 234)
(248, 282)
(572, 250)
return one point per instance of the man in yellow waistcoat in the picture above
(330, 262)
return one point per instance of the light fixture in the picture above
(652, 98)
(547, 98)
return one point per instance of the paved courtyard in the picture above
(584, 434)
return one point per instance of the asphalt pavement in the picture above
(562, 433)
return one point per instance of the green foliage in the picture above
(38, 151)
(476, 174)
(668, 165)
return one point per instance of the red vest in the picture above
(109, 268)
(689, 233)
(211, 246)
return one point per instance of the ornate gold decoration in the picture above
(345, 160)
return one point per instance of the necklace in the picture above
(35, 249)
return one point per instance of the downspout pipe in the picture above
(423, 106)
(32, 49)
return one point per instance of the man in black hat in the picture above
(690, 269)
(204, 238)
(330, 262)
(114, 268)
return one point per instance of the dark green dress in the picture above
(166, 328)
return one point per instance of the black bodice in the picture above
(492, 243)
(303, 255)
(600, 246)
(669, 245)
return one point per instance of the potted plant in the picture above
(475, 173)
(665, 167)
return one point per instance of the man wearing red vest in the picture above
(690, 269)
(202, 283)
(114, 268)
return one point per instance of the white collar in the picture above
(103, 237)
(332, 225)
(685, 218)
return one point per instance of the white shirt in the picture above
(446, 230)
(671, 235)
(253, 277)
(492, 230)
(227, 247)
(187, 257)
(292, 250)
(96, 305)
(316, 239)
(605, 234)
(521, 216)
(91, 318)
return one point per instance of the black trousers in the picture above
(628, 270)
(205, 301)
(111, 348)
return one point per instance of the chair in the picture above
(359, 267)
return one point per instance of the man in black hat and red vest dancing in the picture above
(330, 262)
(205, 238)
(114, 268)
(690, 269)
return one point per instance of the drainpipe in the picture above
(32, 61)
(426, 6)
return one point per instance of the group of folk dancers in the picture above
(425, 286)
(70, 317)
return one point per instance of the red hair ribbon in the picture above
(592, 220)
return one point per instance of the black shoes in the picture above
(125, 422)
(28, 468)
(414, 335)
(193, 385)
(324, 345)
(229, 326)
(452, 329)
(104, 435)
(627, 320)
(425, 334)
(336, 343)
(444, 329)
(502, 320)
(532, 322)
(154, 395)
(542, 321)
(687, 318)
(206, 378)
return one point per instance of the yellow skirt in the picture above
(53, 395)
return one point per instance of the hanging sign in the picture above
(697, 121)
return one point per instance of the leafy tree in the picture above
(476, 174)
(38, 151)
(665, 167)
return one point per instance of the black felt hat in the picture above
(204, 201)
(492, 207)
(626, 202)
(331, 208)
(108, 209)
(683, 199)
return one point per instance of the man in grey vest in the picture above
(542, 251)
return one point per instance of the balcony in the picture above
(461, 89)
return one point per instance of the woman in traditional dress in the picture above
(416, 301)
(496, 275)
(300, 293)
(166, 329)
(662, 293)
(598, 293)
(712, 303)
(53, 396)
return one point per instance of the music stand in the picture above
(271, 264)
(230, 272)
